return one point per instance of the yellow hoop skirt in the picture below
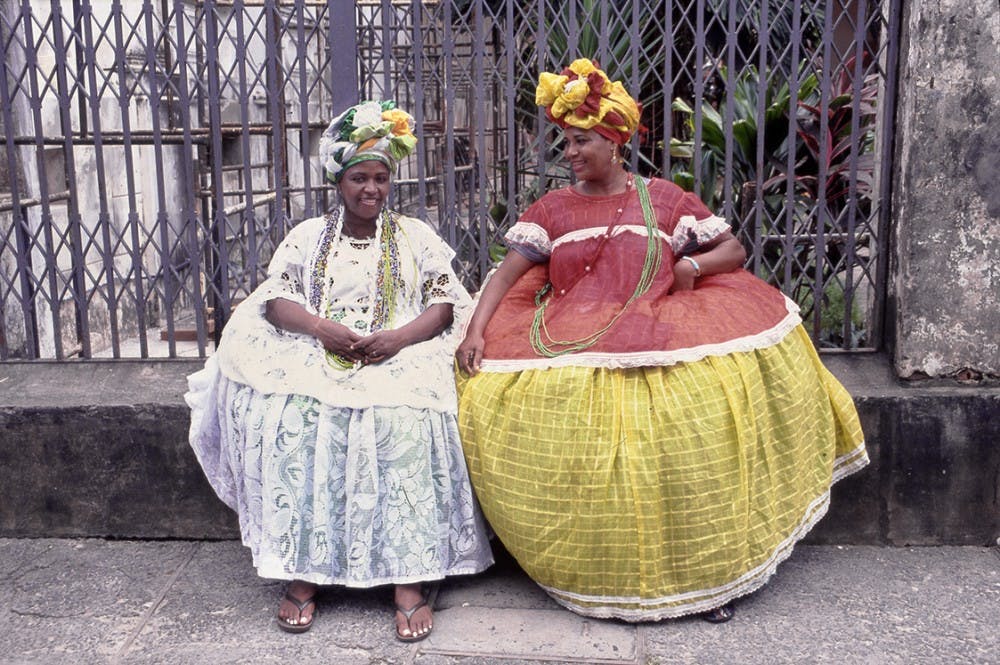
(654, 492)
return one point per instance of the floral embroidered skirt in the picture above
(649, 493)
(355, 497)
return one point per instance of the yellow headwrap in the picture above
(582, 96)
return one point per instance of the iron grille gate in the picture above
(156, 152)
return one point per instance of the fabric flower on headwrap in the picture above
(582, 96)
(370, 130)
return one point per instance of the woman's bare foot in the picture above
(414, 619)
(295, 614)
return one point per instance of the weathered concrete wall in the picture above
(934, 476)
(946, 205)
(100, 449)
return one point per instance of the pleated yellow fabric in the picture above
(660, 491)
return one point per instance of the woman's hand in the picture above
(683, 277)
(470, 354)
(338, 339)
(379, 346)
(721, 255)
(385, 344)
(293, 317)
(470, 351)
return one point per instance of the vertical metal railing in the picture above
(161, 226)
(76, 289)
(189, 243)
(217, 251)
(93, 105)
(50, 273)
(419, 101)
(245, 229)
(157, 152)
(13, 68)
(137, 296)
(887, 118)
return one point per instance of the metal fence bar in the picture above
(217, 254)
(247, 216)
(634, 44)
(132, 223)
(275, 97)
(699, 93)
(822, 211)
(602, 35)
(388, 16)
(197, 136)
(189, 239)
(668, 76)
(542, 58)
(300, 54)
(573, 27)
(85, 21)
(219, 194)
(50, 272)
(162, 222)
(758, 208)
(886, 160)
(729, 111)
(419, 101)
(343, 46)
(858, 74)
(510, 136)
(19, 216)
(788, 246)
(447, 210)
(478, 132)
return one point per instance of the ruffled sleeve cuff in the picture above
(439, 283)
(443, 287)
(691, 234)
(286, 272)
(530, 240)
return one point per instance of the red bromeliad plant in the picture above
(841, 153)
(833, 156)
(834, 170)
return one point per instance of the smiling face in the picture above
(589, 154)
(364, 189)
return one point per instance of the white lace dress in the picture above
(352, 476)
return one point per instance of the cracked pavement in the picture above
(100, 601)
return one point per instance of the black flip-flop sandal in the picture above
(301, 605)
(408, 614)
(720, 614)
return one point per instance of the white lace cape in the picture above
(256, 353)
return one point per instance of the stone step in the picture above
(100, 449)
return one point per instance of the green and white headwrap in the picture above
(370, 130)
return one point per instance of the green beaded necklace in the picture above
(542, 342)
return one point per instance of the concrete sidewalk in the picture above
(96, 601)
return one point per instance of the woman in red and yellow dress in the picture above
(647, 425)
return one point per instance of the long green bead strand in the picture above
(650, 267)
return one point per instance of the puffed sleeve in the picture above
(286, 272)
(438, 282)
(696, 226)
(529, 236)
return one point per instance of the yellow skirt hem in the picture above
(636, 609)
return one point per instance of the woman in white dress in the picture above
(327, 417)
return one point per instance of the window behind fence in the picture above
(157, 152)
